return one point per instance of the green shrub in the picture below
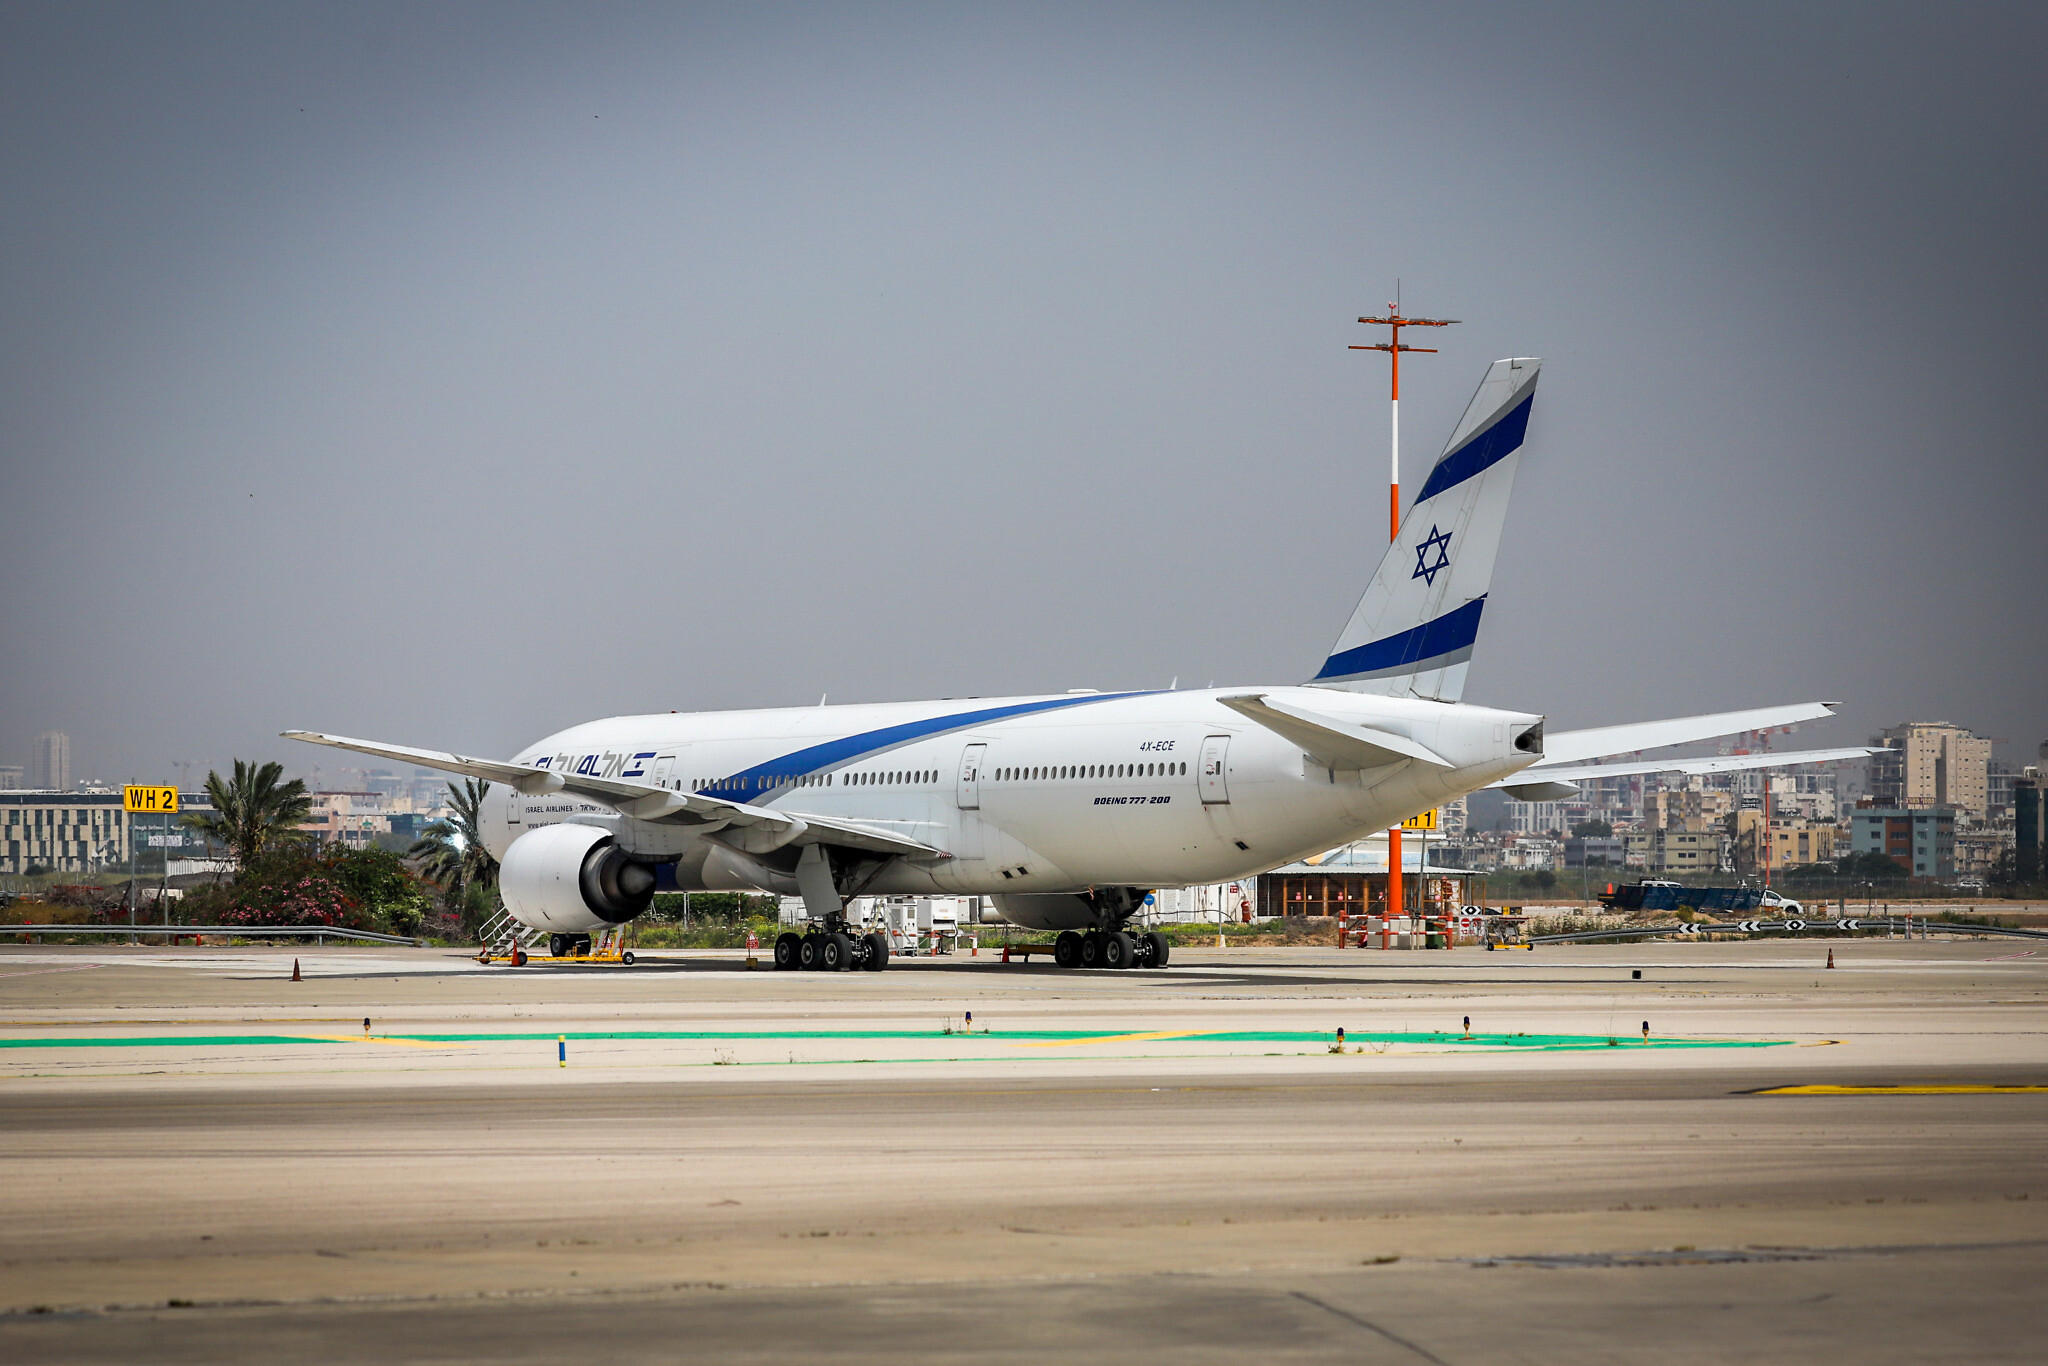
(730, 908)
(338, 887)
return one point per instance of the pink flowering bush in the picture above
(307, 900)
(284, 889)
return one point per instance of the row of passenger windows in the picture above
(763, 782)
(1059, 771)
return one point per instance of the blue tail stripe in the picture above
(747, 785)
(1447, 634)
(1481, 451)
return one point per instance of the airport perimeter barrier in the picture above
(320, 932)
(1848, 924)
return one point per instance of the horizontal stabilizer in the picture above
(1329, 740)
(1576, 746)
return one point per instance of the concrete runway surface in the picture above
(204, 1161)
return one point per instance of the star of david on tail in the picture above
(1425, 567)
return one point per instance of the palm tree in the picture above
(253, 812)
(452, 852)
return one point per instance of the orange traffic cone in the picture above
(295, 971)
(1831, 957)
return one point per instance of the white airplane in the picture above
(1065, 809)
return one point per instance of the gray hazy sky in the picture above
(448, 374)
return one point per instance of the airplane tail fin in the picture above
(1412, 633)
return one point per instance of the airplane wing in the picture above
(1713, 763)
(1576, 746)
(1551, 778)
(644, 801)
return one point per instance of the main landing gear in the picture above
(833, 948)
(569, 946)
(1110, 949)
(830, 945)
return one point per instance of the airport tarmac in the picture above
(204, 1160)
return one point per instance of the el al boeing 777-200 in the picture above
(1066, 810)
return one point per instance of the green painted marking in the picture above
(172, 1041)
(1542, 1042)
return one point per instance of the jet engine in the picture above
(572, 878)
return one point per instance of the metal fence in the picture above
(320, 933)
(1829, 924)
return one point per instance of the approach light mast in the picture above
(1394, 346)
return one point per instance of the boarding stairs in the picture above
(507, 940)
(504, 936)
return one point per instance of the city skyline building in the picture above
(1921, 840)
(50, 762)
(1931, 763)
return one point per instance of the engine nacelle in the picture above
(572, 878)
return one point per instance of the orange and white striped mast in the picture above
(1394, 346)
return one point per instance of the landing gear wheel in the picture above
(1066, 950)
(838, 954)
(1091, 949)
(1156, 942)
(627, 958)
(788, 946)
(1117, 949)
(810, 952)
(878, 952)
(558, 946)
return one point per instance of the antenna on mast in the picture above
(1394, 346)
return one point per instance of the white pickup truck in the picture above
(1785, 906)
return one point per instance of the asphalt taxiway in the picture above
(204, 1160)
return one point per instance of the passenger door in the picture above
(969, 791)
(969, 844)
(1214, 769)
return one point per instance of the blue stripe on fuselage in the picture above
(1447, 634)
(1483, 450)
(747, 785)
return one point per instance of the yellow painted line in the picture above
(1119, 1038)
(1955, 1089)
(395, 1043)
